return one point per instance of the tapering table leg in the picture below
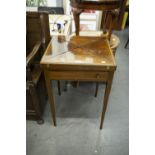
(127, 43)
(106, 97)
(96, 89)
(59, 88)
(50, 97)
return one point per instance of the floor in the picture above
(78, 117)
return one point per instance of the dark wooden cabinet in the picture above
(36, 99)
(37, 39)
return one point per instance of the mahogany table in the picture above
(80, 59)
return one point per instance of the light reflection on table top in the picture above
(82, 51)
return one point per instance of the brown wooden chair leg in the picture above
(96, 91)
(65, 86)
(75, 84)
(114, 51)
(76, 14)
(59, 89)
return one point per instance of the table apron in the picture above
(77, 75)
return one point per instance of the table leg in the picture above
(59, 89)
(96, 90)
(127, 43)
(50, 97)
(106, 97)
(65, 86)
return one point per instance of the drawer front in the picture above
(77, 75)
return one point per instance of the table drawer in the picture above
(77, 75)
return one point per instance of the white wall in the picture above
(60, 3)
(51, 3)
(54, 3)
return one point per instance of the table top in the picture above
(79, 51)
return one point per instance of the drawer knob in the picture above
(98, 76)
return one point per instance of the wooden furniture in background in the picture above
(35, 87)
(37, 39)
(103, 5)
(119, 24)
(37, 29)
